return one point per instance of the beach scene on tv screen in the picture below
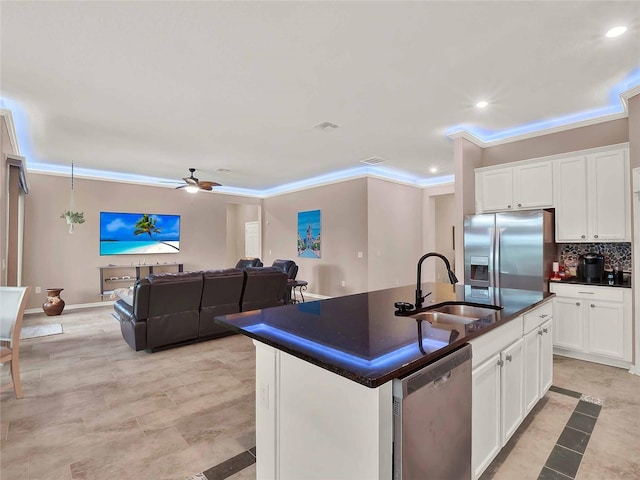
(138, 233)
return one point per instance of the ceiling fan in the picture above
(192, 184)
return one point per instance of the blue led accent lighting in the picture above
(388, 359)
(615, 106)
(487, 136)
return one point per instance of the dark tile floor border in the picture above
(228, 467)
(565, 458)
(563, 462)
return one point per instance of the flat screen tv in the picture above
(138, 233)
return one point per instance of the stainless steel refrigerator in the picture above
(509, 250)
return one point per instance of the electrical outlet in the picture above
(344, 284)
(269, 252)
(38, 290)
(360, 254)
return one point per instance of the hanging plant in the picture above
(71, 216)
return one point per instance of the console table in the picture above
(113, 276)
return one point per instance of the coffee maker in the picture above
(591, 267)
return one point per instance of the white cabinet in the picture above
(497, 392)
(568, 323)
(485, 425)
(593, 323)
(538, 354)
(606, 328)
(592, 197)
(519, 187)
(511, 385)
(546, 357)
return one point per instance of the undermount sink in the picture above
(442, 318)
(468, 311)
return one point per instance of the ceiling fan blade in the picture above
(183, 186)
(208, 189)
(207, 184)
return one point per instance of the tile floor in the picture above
(94, 409)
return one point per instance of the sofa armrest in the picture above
(134, 330)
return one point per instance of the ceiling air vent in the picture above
(372, 161)
(222, 170)
(326, 126)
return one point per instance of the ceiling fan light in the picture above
(192, 189)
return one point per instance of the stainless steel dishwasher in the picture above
(432, 420)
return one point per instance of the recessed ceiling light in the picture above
(615, 31)
(482, 104)
(433, 169)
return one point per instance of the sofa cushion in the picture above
(264, 287)
(221, 295)
(174, 307)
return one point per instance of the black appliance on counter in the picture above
(591, 267)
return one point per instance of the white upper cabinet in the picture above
(495, 188)
(592, 197)
(533, 185)
(609, 211)
(520, 187)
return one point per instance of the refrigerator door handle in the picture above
(496, 269)
(492, 269)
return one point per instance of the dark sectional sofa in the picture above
(174, 308)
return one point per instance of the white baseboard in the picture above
(316, 295)
(78, 306)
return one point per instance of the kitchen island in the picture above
(324, 374)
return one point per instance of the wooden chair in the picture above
(13, 301)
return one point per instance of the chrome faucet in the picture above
(452, 276)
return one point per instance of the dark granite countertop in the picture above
(604, 283)
(360, 337)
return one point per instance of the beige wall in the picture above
(430, 216)
(445, 221)
(606, 133)
(634, 131)
(343, 209)
(394, 233)
(237, 216)
(466, 157)
(54, 258)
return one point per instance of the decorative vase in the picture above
(54, 304)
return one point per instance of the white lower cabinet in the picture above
(511, 389)
(485, 426)
(497, 392)
(568, 325)
(593, 323)
(511, 371)
(538, 364)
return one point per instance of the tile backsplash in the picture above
(616, 255)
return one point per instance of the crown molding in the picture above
(11, 128)
(623, 97)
